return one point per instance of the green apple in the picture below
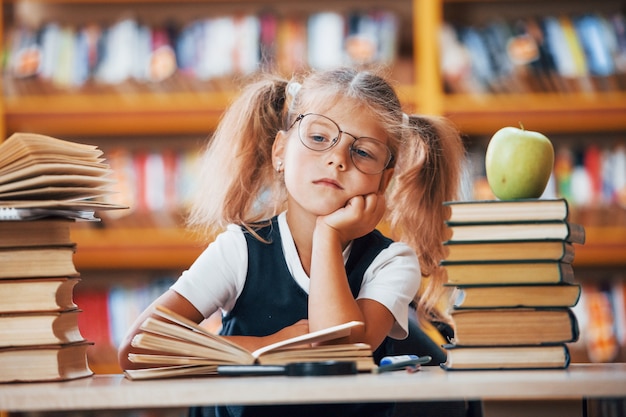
(519, 163)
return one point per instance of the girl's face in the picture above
(322, 181)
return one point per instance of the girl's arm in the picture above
(170, 299)
(330, 299)
(179, 304)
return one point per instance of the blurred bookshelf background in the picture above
(148, 80)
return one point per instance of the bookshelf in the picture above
(131, 112)
(167, 110)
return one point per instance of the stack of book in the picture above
(46, 185)
(511, 264)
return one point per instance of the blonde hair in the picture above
(239, 185)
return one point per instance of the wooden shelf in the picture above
(549, 112)
(135, 248)
(171, 248)
(605, 247)
(127, 113)
(116, 114)
(199, 112)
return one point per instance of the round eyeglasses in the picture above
(319, 133)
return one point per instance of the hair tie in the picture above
(405, 119)
(293, 88)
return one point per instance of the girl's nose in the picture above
(339, 154)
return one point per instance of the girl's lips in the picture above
(328, 182)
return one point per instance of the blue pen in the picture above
(392, 363)
(388, 360)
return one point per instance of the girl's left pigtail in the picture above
(427, 174)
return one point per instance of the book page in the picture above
(171, 371)
(15, 172)
(63, 180)
(69, 204)
(170, 315)
(330, 333)
(54, 193)
(202, 338)
(20, 145)
(166, 345)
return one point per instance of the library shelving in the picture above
(128, 111)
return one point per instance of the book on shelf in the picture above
(39, 328)
(509, 251)
(44, 363)
(37, 294)
(555, 356)
(560, 54)
(508, 273)
(507, 211)
(184, 345)
(567, 231)
(514, 326)
(38, 261)
(513, 296)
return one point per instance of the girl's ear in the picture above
(278, 150)
(386, 179)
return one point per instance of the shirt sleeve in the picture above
(393, 279)
(216, 278)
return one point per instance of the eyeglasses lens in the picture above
(319, 133)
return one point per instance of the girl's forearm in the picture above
(330, 299)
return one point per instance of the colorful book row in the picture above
(205, 48)
(564, 53)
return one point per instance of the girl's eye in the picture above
(363, 152)
(318, 138)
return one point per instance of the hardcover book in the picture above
(44, 363)
(37, 294)
(44, 232)
(507, 211)
(569, 232)
(514, 326)
(37, 261)
(510, 251)
(509, 357)
(507, 273)
(513, 296)
(39, 328)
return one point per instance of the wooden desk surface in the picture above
(431, 383)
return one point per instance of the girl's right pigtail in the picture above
(428, 173)
(236, 179)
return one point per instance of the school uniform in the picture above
(273, 294)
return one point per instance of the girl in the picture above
(293, 185)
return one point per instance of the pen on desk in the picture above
(388, 360)
(393, 363)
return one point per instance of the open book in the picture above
(185, 348)
(39, 172)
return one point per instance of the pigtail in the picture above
(236, 179)
(428, 172)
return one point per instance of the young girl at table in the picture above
(293, 184)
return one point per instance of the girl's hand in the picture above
(297, 329)
(253, 343)
(359, 216)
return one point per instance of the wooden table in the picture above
(497, 389)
